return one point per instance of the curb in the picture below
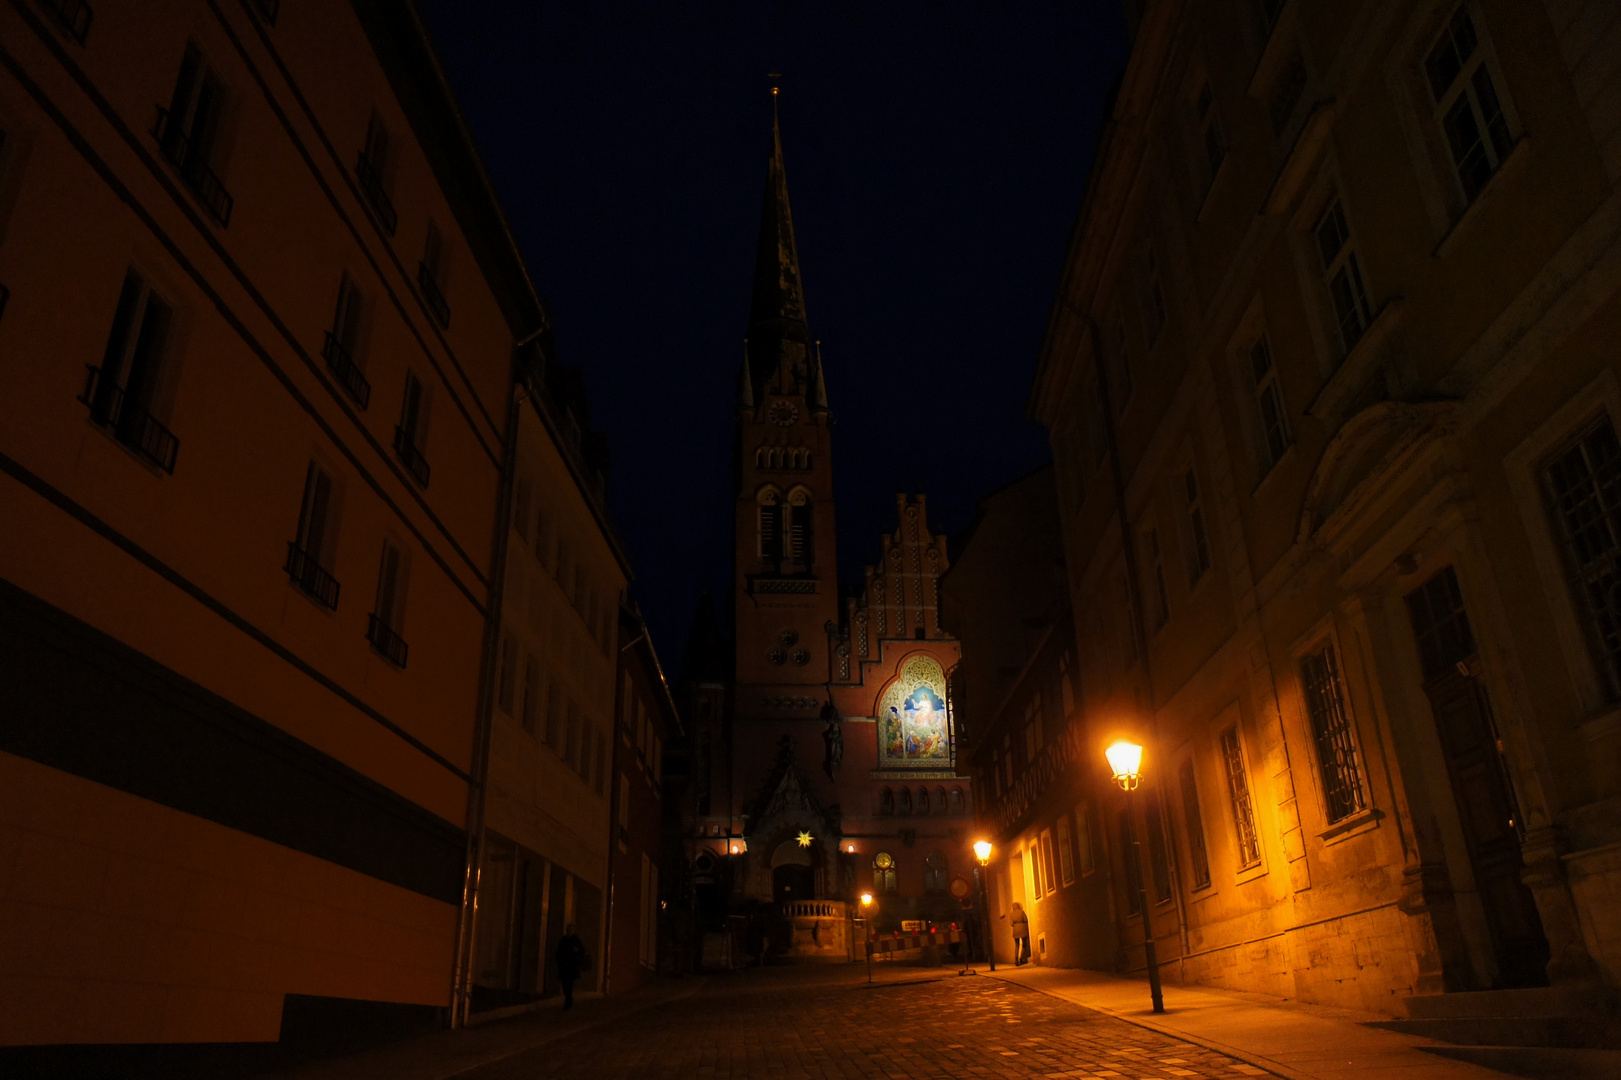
(1272, 1067)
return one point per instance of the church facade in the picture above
(824, 759)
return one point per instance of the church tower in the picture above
(786, 582)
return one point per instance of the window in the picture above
(1155, 297)
(1156, 850)
(1049, 878)
(1007, 761)
(1466, 104)
(1584, 484)
(800, 529)
(1160, 600)
(506, 687)
(411, 434)
(886, 801)
(1032, 729)
(1083, 839)
(957, 806)
(1343, 274)
(188, 132)
(923, 800)
(307, 554)
(1194, 820)
(1331, 731)
(383, 629)
(372, 172)
(342, 345)
(1238, 794)
(123, 392)
(1066, 683)
(1269, 404)
(1198, 542)
(556, 718)
(935, 871)
(1122, 367)
(431, 276)
(883, 874)
(1287, 90)
(1066, 856)
(903, 801)
(1211, 139)
(72, 16)
(770, 526)
(1133, 861)
(1440, 624)
(532, 693)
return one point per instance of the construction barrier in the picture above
(900, 942)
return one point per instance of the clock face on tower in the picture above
(784, 413)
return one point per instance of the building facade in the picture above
(824, 763)
(1332, 401)
(257, 438)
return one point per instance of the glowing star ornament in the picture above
(805, 838)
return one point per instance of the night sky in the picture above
(936, 156)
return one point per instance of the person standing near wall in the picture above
(1021, 934)
(571, 961)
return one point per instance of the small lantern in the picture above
(982, 851)
(1126, 759)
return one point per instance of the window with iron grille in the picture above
(383, 630)
(1584, 483)
(1331, 731)
(1467, 103)
(1238, 794)
(1342, 272)
(1198, 541)
(1197, 855)
(1274, 420)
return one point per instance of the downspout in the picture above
(478, 782)
(1145, 686)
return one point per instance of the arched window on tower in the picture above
(904, 803)
(883, 874)
(940, 806)
(800, 530)
(771, 509)
(956, 801)
(935, 872)
(886, 801)
(922, 800)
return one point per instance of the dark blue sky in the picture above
(936, 154)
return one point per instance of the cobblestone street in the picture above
(828, 1023)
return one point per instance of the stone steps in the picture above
(1535, 1017)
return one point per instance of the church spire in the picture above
(779, 338)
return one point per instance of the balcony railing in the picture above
(73, 15)
(372, 185)
(309, 576)
(128, 423)
(193, 168)
(343, 366)
(433, 296)
(410, 456)
(388, 644)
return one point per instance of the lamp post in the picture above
(1126, 759)
(982, 856)
(866, 921)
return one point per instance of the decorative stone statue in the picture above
(833, 737)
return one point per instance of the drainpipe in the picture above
(478, 782)
(1145, 687)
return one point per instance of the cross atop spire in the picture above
(779, 356)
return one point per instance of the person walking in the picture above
(1021, 934)
(571, 961)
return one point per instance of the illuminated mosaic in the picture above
(913, 726)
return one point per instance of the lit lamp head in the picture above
(866, 899)
(1125, 759)
(982, 851)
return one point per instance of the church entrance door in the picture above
(793, 882)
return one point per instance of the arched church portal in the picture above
(793, 873)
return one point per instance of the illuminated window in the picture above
(1343, 274)
(1584, 482)
(1049, 878)
(1467, 104)
(1238, 794)
(1198, 541)
(1331, 731)
(1274, 423)
(883, 874)
(1194, 820)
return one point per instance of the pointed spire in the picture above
(778, 335)
(745, 385)
(818, 393)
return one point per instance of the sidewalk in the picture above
(443, 1055)
(1304, 1042)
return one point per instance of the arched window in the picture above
(956, 800)
(935, 871)
(940, 806)
(904, 804)
(883, 874)
(886, 801)
(923, 800)
(770, 524)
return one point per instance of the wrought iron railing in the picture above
(343, 366)
(309, 576)
(372, 185)
(130, 424)
(194, 170)
(390, 645)
(410, 456)
(73, 15)
(432, 295)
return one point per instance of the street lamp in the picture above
(1126, 759)
(982, 855)
(866, 921)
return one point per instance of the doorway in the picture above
(793, 873)
(1480, 784)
